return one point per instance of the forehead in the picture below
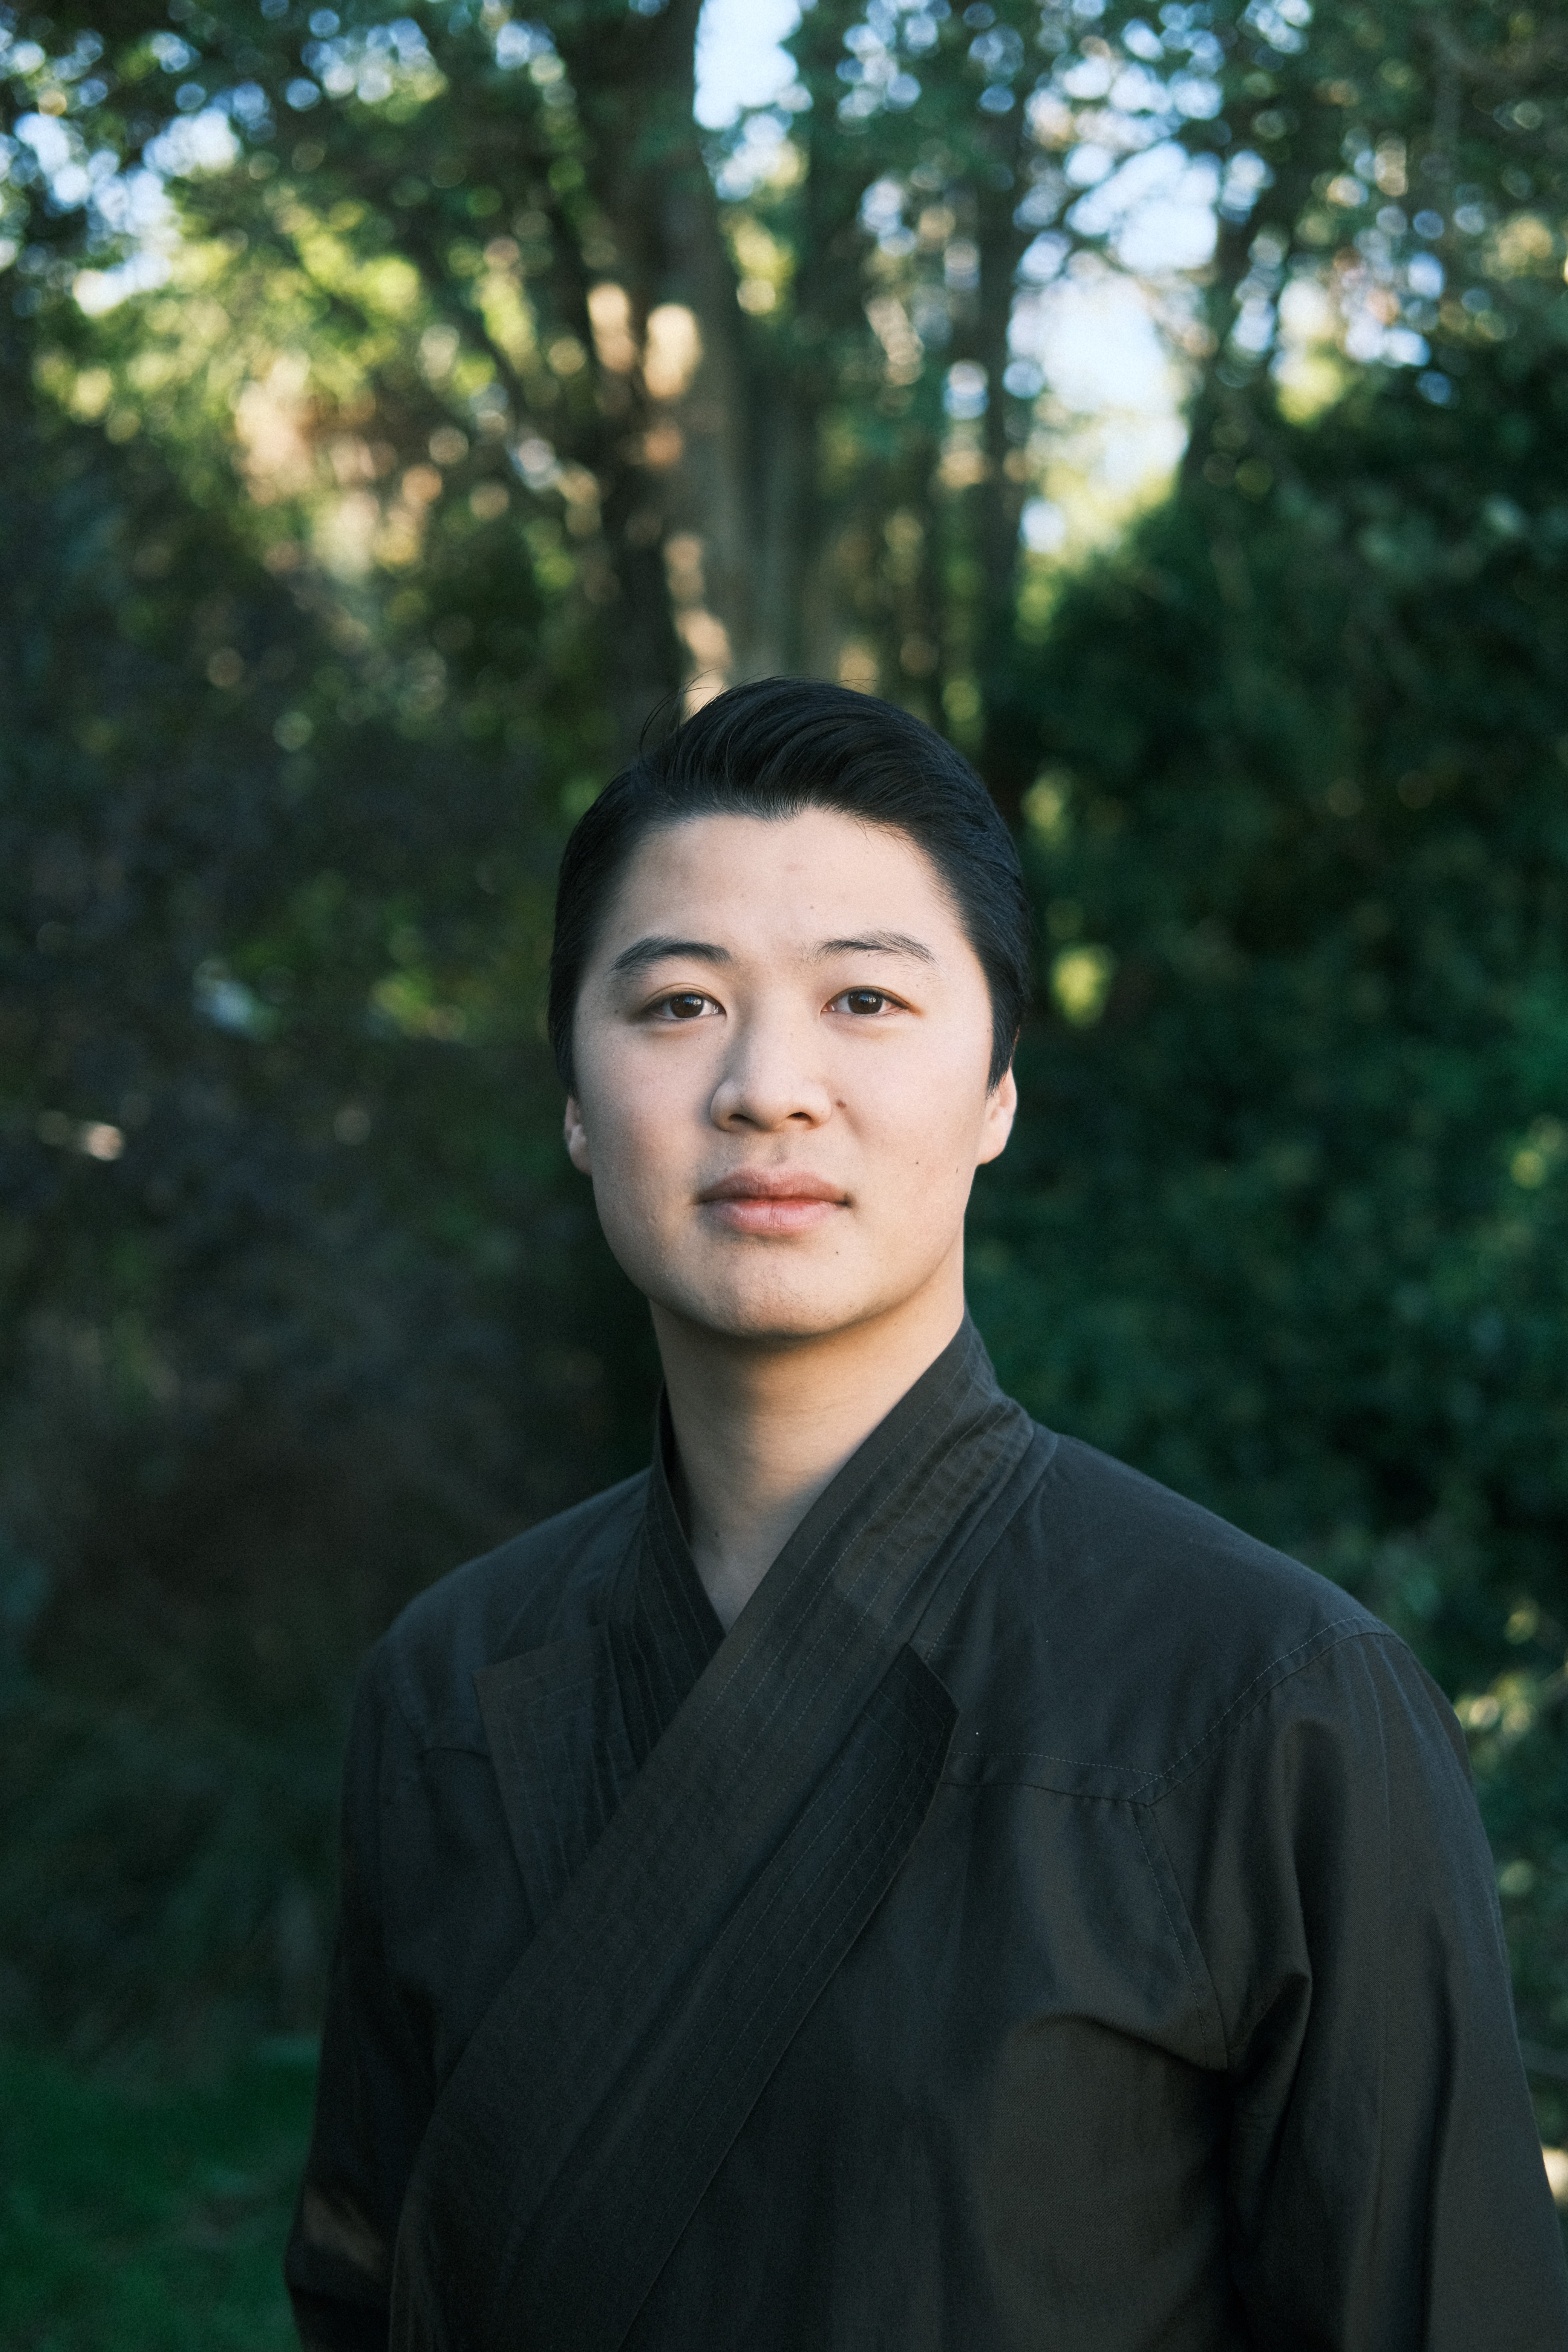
(778, 881)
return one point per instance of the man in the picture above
(889, 1876)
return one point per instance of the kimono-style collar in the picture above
(667, 1627)
(663, 1628)
(573, 1725)
(693, 1901)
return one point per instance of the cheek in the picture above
(636, 1112)
(928, 1117)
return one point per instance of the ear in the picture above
(1001, 1109)
(577, 1139)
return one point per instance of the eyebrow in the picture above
(658, 946)
(877, 944)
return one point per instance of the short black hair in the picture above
(770, 749)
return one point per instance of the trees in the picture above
(1287, 1223)
(485, 402)
(350, 553)
(506, 236)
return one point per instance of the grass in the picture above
(137, 2219)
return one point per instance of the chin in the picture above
(771, 1312)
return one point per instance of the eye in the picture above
(685, 1004)
(862, 1002)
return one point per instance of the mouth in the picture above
(774, 1200)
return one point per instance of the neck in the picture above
(762, 1427)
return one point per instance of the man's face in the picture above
(782, 1046)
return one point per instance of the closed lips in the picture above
(782, 1184)
(776, 1203)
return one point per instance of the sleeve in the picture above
(374, 2094)
(1386, 2190)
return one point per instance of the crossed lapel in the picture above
(700, 1860)
(571, 1726)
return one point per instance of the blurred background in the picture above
(1172, 406)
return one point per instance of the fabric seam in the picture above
(1144, 1787)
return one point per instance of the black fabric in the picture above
(724, 1888)
(1183, 2020)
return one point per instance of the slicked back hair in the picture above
(773, 750)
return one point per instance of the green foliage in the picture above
(1285, 1220)
(348, 557)
(151, 2219)
(483, 404)
(302, 1305)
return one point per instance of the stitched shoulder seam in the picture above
(1150, 1787)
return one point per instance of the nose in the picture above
(772, 1078)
